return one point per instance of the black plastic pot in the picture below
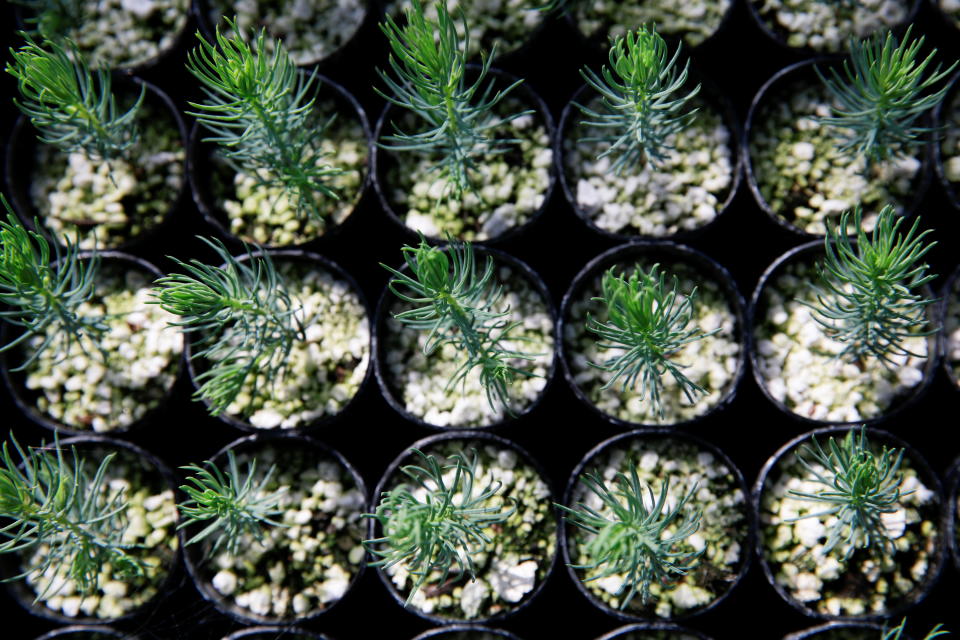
(571, 116)
(803, 72)
(448, 632)
(810, 252)
(202, 169)
(384, 158)
(322, 263)
(924, 473)
(952, 512)
(624, 633)
(78, 632)
(275, 633)
(203, 11)
(192, 554)
(950, 292)
(812, 633)
(665, 253)
(25, 596)
(386, 482)
(623, 441)
(21, 162)
(26, 399)
(779, 35)
(941, 117)
(394, 395)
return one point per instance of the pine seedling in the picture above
(246, 321)
(454, 302)
(52, 500)
(881, 95)
(632, 541)
(858, 485)
(52, 19)
(258, 108)
(647, 322)
(896, 632)
(429, 65)
(41, 295)
(432, 525)
(868, 297)
(237, 505)
(642, 101)
(71, 106)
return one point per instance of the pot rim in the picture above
(200, 158)
(380, 332)
(951, 289)
(13, 381)
(16, 172)
(80, 628)
(952, 512)
(623, 440)
(924, 470)
(466, 435)
(812, 632)
(440, 632)
(652, 626)
(711, 96)
(799, 71)
(166, 586)
(683, 254)
(909, 398)
(338, 273)
(531, 99)
(255, 442)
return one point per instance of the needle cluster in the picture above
(53, 500)
(258, 108)
(859, 487)
(434, 524)
(635, 534)
(868, 295)
(52, 19)
(881, 95)
(642, 100)
(71, 106)
(455, 303)
(647, 322)
(245, 319)
(429, 65)
(41, 295)
(236, 503)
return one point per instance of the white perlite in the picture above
(692, 20)
(84, 391)
(684, 191)
(950, 144)
(423, 381)
(311, 30)
(509, 187)
(710, 362)
(504, 24)
(308, 563)
(265, 214)
(518, 555)
(866, 583)
(723, 530)
(109, 203)
(798, 364)
(828, 26)
(951, 330)
(151, 535)
(801, 173)
(325, 370)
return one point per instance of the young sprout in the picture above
(454, 302)
(638, 539)
(557, 7)
(429, 66)
(641, 97)
(246, 320)
(867, 297)
(53, 501)
(71, 107)
(648, 322)
(42, 296)
(237, 505)
(858, 487)
(434, 524)
(897, 631)
(881, 95)
(259, 106)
